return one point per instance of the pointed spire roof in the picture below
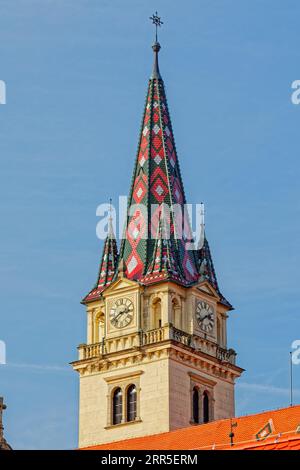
(156, 181)
(147, 255)
(163, 264)
(108, 265)
(207, 270)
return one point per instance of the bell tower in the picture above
(156, 355)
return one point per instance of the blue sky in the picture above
(76, 73)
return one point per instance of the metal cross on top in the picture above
(157, 21)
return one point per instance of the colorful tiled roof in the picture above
(207, 270)
(108, 265)
(157, 184)
(153, 250)
(270, 430)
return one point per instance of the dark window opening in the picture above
(131, 403)
(205, 408)
(117, 406)
(195, 405)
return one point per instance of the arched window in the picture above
(157, 313)
(219, 332)
(99, 328)
(131, 403)
(117, 406)
(195, 405)
(205, 399)
(176, 314)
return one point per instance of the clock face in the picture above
(121, 313)
(205, 316)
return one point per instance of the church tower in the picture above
(156, 357)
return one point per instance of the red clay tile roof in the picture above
(280, 424)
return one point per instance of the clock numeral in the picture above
(121, 313)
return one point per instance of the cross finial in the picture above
(156, 20)
(110, 220)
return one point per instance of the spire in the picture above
(155, 72)
(156, 180)
(109, 262)
(3, 443)
(202, 228)
(163, 263)
(147, 255)
(207, 270)
(156, 20)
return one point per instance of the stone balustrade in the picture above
(145, 338)
(153, 336)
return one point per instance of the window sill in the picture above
(127, 423)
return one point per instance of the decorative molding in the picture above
(127, 423)
(202, 380)
(117, 378)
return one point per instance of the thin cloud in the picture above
(266, 388)
(40, 367)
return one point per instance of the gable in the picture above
(208, 289)
(121, 284)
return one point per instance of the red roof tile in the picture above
(281, 425)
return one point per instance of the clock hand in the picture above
(207, 316)
(118, 314)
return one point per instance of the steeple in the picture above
(157, 182)
(163, 263)
(147, 255)
(108, 265)
(3, 444)
(205, 262)
(207, 270)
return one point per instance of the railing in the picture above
(226, 355)
(145, 338)
(153, 336)
(180, 336)
(88, 351)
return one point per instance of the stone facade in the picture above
(156, 356)
(165, 363)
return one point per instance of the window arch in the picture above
(219, 331)
(117, 406)
(98, 327)
(131, 403)
(176, 310)
(157, 313)
(195, 405)
(205, 403)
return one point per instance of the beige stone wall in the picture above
(182, 379)
(164, 398)
(224, 400)
(154, 404)
(164, 373)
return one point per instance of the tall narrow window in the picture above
(176, 311)
(205, 407)
(131, 403)
(195, 405)
(157, 314)
(117, 406)
(219, 332)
